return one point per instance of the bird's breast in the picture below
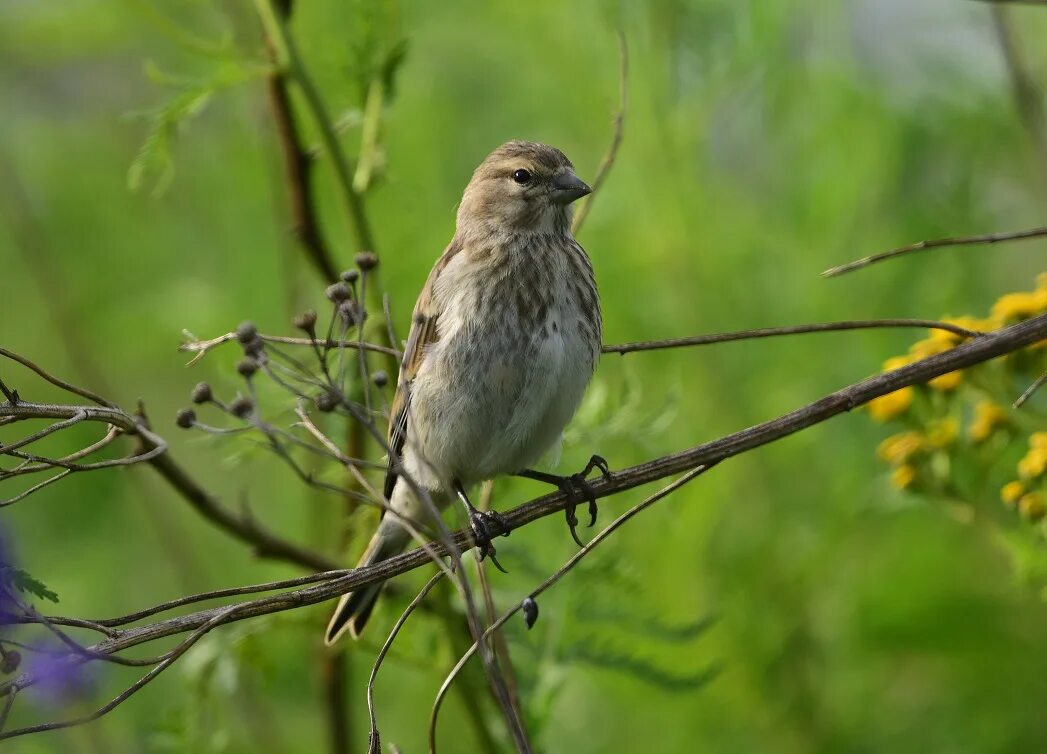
(518, 341)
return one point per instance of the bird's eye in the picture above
(522, 176)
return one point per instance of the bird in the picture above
(504, 339)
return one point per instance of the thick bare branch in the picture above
(982, 349)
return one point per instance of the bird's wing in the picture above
(423, 334)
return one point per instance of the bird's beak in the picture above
(567, 187)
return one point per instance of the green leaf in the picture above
(25, 583)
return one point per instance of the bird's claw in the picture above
(485, 526)
(597, 462)
(577, 488)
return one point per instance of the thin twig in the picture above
(616, 135)
(1020, 401)
(201, 347)
(1028, 98)
(68, 387)
(374, 742)
(768, 332)
(935, 243)
(566, 567)
(181, 649)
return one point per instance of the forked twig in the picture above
(934, 243)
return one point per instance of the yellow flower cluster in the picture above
(954, 427)
(1031, 503)
(1035, 461)
(987, 417)
(1008, 308)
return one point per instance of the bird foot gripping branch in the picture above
(577, 488)
(485, 525)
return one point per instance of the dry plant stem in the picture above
(988, 238)
(571, 563)
(173, 656)
(298, 167)
(290, 62)
(616, 135)
(768, 332)
(1030, 390)
(374, 741)
(265, 543)
(68, 387)
(500, 646)
(201, 347)
(1028, 98)
(976, 351)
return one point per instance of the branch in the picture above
(290, 61)
(616, 136)
(560, 572)
(298, 165)
(768, 332)
(988, 238)
(68, 387)
(201, 347)
(153, 450)
(982, 349)
(1020, 401)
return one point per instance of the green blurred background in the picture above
(790, 601)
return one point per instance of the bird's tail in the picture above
(355, 608)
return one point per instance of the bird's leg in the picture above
(485, 525)
(576, 487)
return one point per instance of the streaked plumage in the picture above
(504, 339)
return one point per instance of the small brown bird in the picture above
(504, 340)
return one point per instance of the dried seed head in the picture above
(366, 260)
(337, 292)
(247, 367)
(12, 659)
(306, 321)
(246, 332)
(351, 313)
(350, 276)
(326, 402)
(255, 346)
(381, 378)
(530, 611)
(201, 393)
(241, 407)
(185, 418)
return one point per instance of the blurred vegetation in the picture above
(791, 601)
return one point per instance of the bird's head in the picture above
(521, 186)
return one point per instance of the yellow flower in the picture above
(897, 449)
(941, 433)
(968, 323)
(903, 476)
(1031, 506)
(1038, 440)
(987, 416)
(896, 362)
(1011, 492)
(891, 405)
(947, 381)
(1020, 305)
(1033, 464)
(932, 346)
